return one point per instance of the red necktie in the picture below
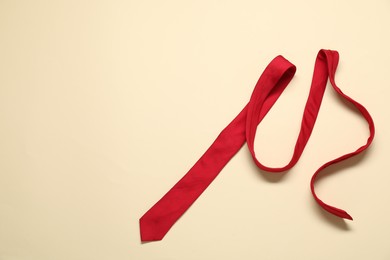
(157, 221)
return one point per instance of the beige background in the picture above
(104, 105)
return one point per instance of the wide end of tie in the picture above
(150, 230)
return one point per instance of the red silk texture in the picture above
(157, 221)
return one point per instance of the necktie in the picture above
(157, 221)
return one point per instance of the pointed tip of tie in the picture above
(150, 237)
(150, 231)
(347, 216)
(342, 214)
(336, 211)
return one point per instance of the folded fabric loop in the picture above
(157, 221)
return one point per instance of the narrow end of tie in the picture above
(338, 212)
(348, 216)
(150, 230)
